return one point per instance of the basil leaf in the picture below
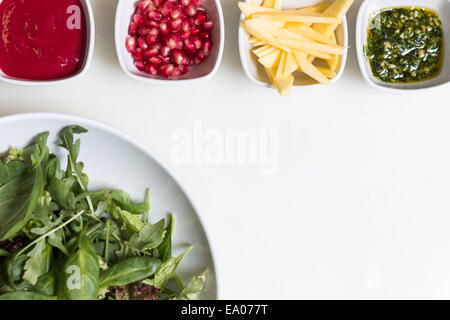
(25, 295)
(168, 269)
(18, 199)
(80, 274)
(14, 269)
(131, 221)
(59, 192)
(11, 170)
(45, 284)
(194, 287)
(149, 237)
(129, 271)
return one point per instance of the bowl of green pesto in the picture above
(403, 45)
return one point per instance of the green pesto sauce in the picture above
(405, 44)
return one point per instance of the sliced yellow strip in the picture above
(327, 72)
(268, 3)
(290, 65)
(338, 10)
(283, 85)
(308, 32)
(308, 68)
(278, 4)
(307, 46)
(271, 60)
(281, 65)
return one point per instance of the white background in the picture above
(360, 206)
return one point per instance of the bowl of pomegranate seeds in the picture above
(165, 41)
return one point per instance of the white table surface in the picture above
(360, 205)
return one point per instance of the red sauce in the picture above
(42, 39)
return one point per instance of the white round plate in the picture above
(115, 160)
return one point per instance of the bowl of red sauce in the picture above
(45, 42)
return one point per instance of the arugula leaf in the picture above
(118, 198)
(168, 270)
(129, 271)
(18, 199)
(38, 262)
(80, 274)
(165, 248)
(73, 147)
(25, 295)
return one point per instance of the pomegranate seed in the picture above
(197, 42)
(151, 69)
(166, 70)
(189, 47)
(178, 56)
(139, 20)
(207, 47)
(171, 41)
(152, 51)
(175, 25)
(141, 43)
(176, 72)
(190, 10)
(183, 69)
(199, 18)
(132, 29)
(151, 39)
(185, 35)
(195, 31)
(138, 54)
(164, 28)
(200, 55)
(175, 14)
(155, 15)
(185, 25)
(208, 24)
(153, 24)
(166, 8)
(144, 31)
(139, 65)
(155, 60)
(196, 2)
(186, 2)
(130, 44)
(145, 4)
(154, 31)
(158, 2)
(165, 50)
(138, 11)
(205, 35)
(164, 60)
(179, 44)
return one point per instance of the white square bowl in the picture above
(202, 71)
(368, 8)
(255, 71)
(89, 50)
